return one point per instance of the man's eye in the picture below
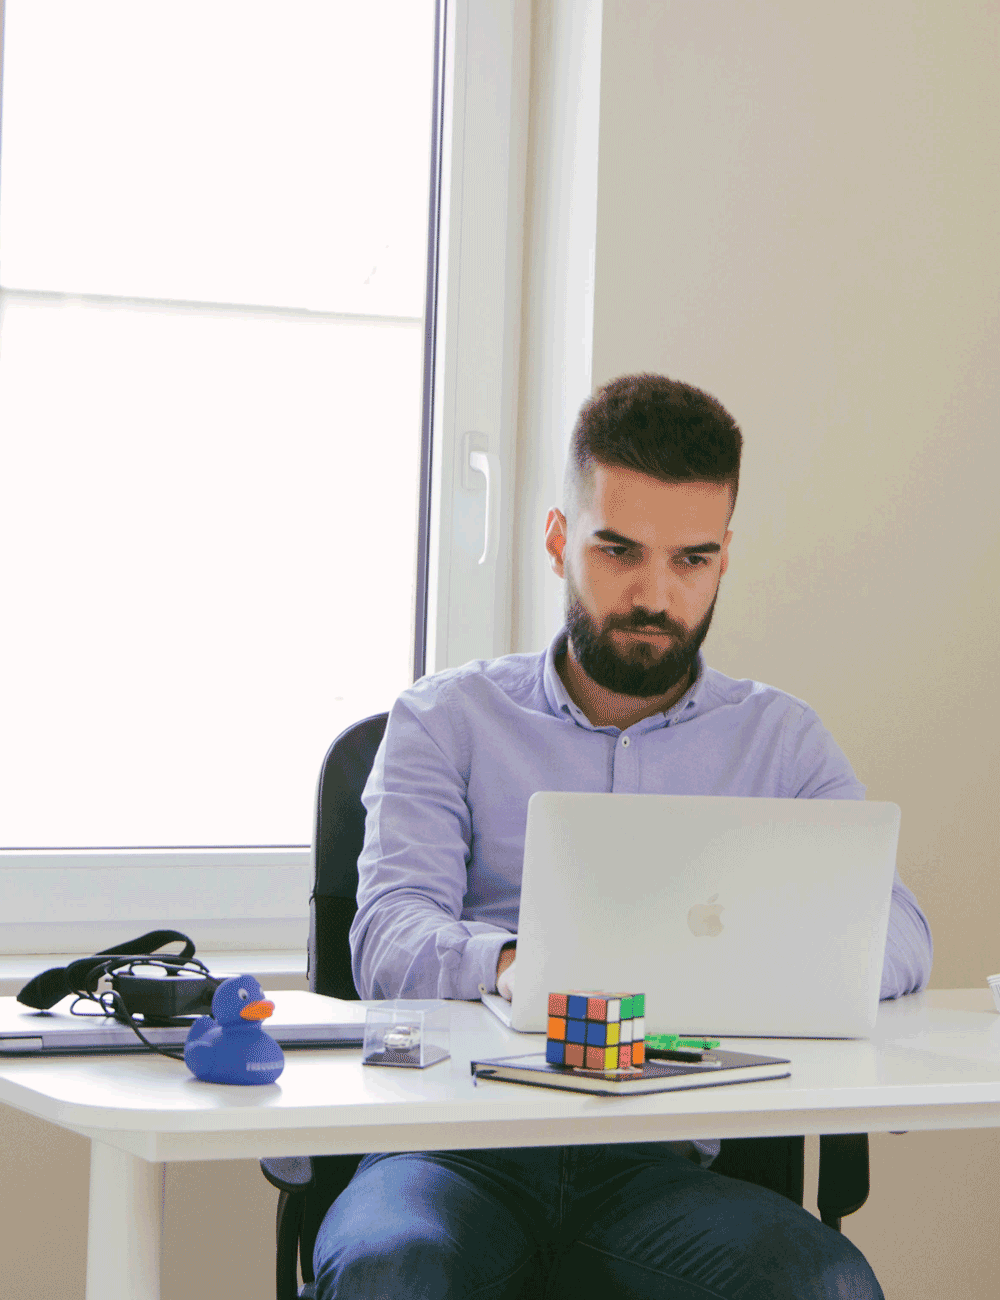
(687, 561)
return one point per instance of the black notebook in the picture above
(715, 1068)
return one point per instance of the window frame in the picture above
(81, 900)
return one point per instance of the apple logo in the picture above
(703, 918)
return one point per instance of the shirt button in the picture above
(625, 741)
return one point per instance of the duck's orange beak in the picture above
(257, 1010)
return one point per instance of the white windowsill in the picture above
(274, 970)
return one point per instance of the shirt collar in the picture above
(561, 704)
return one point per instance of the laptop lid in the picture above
(300, 1019)
(734, 916)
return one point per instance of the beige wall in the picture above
(797, 210)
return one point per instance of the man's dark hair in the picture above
(657, 426)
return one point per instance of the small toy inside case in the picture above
(591, 1030)
(405, 1032)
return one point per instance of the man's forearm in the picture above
(402, 950)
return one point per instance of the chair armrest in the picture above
(290, 1174)
(844, 1175)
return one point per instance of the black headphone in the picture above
(186, 993)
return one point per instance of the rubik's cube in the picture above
(596, 1031)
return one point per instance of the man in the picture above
(620, 701)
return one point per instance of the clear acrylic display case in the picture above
(407, 1032)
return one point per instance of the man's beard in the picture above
(646, 670)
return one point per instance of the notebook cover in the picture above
(654, 1076)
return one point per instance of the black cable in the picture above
(122, 1012)
(117, 1010)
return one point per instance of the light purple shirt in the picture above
(439, 877)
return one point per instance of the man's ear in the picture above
(555, 539)
(724, 565)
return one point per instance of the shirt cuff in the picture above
(475, 972)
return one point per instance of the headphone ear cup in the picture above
(45, 990)
(59, 982)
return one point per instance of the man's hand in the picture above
(505, 975)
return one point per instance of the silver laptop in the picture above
(735, 917)
(300, 1019)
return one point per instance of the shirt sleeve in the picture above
(408, 939)
(818, 769)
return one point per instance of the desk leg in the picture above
(125, 1226)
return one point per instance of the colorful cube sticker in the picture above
(592, 1030)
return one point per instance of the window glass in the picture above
(213, 233)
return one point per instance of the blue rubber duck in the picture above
(230, 1046)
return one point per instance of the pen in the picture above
(697, 1058)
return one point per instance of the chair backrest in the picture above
(337, 843)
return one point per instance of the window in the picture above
(232, 407)
(213, 234)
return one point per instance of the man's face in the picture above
(642, 555)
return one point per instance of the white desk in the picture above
(934, 1063)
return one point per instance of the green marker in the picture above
(671, 1042)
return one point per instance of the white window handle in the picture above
(487, 463)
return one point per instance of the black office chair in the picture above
(310, 1185)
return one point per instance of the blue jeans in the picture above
(574, 1223)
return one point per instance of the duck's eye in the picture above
(244, 996)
